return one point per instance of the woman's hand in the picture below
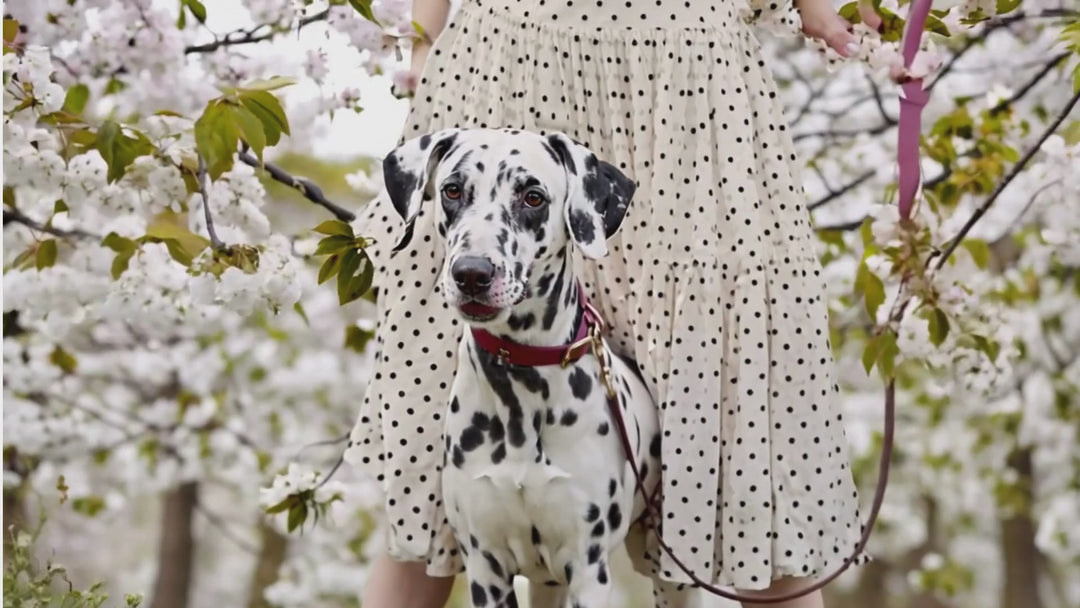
(821, 21)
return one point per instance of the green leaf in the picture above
(268, 110)
(198, 10)
(359, 281)
(217, 138)
(335, 244)
(269, 84)
(357, 338)
(11, 30)
(988, 346)
(335, 227)
(88, 505)
(939, 326)
(297, 516)
(871, 287)
(871, 352)
(251, 129)
(63, 359)
(46, 254)
(119, 150)
(1072, 131)
(329, 268)
(350, 263)
(60, 207)
(1007, 6)
(282, 506)
(118, 243)
(114, 86)
(887, 361)
(979, 250)
(75, 101)
(364, 8)
(299, 308)
(171, 228)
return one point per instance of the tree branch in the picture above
(1016, 170)
(250, 35)
(834, 194)
(306, 187)
(14, 216)
(215, 242)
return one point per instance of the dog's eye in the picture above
(452, 191)
(534, 199)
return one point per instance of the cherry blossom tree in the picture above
(185, 343)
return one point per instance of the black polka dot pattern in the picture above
(712, 285)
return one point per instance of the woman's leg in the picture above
(394, 584)
(784, 586)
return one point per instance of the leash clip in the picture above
(502, 357)
(597, 338)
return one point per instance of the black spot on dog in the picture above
(471, 438)
(496, 592)
(516, 432)
(601, 575)
(425, 141)
(522, 322)
(612, 487)
(400, 184)
(496, 567)
(654, 446)
(479, 596)
(481, 421)
(569, 417)
(472, 541)
(562, 153)
(459, 457)
(550, 415)
(603, 428)
(598, 529)
(614, 516)
(593, 514)
(554, 296)
(580, 383)
(496, 431)
(581, 226)
(479, 167)
(498, 454)
(454, 405)
(594, 554)
(535, 536)
(538, 419)
(531, 378)
(569, 571)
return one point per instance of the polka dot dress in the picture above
(712, 285)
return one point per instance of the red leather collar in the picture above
(514, 353)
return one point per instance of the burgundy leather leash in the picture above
(589, 336)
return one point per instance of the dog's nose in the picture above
(473, 275)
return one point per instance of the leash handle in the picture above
(912, 101)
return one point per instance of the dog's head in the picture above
(506, 202)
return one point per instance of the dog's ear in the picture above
(598, 195)
(407, 171)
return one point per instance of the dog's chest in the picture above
(530, 453)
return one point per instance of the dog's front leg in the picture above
(590, 584)
(489, 587)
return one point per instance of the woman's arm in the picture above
(431, 15)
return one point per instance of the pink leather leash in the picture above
(912, 101)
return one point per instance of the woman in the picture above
(712, 285)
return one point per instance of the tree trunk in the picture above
(14, 508)
(1023, 562)
(271, 556)
(177, 548)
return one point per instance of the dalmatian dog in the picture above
(536, 481)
